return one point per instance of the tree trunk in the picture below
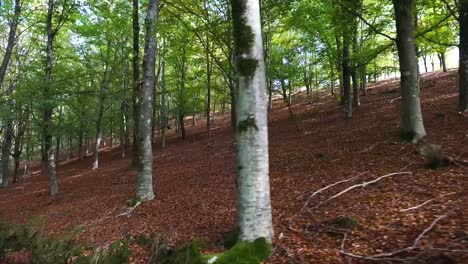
(102, 97)
(425, 62)
(443, 62)
(145, 171)
(182, 124)
(163, 104)
(48, 159)
(123, 109)
(463, 57)
(412, 127)
(208, 93)
(6, 151)
(10, 42)
(254, 217)
(348, 107)
(136, 81)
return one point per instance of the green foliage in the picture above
(231, 238)
(46, 250)
(241, 253)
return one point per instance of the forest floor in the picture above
(194, 182)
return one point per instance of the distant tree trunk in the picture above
(48, 159)
(443, 64)
(10, 42)
(123, 110)
(80, 144)
(412, 127)
(145, 171)
(208, 93)
(163, 104)
(58, 136)
(182, 124)
(284, 91)
(348, 107)
(102, 98)
(254, 217)
(136, 81)
(463, 56)
(424, 56)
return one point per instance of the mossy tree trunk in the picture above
(412, 127)
(145, 170)
(253, 187)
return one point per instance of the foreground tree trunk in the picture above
(136, 81)
(48, 159)
(253, 188)
(145, 171)
(11, 41)
(412, 127)
(463, 49)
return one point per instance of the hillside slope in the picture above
(195, 183)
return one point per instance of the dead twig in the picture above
(390, 255)
(426, 202)
(320, 191)
(394, 99)
(363, 185)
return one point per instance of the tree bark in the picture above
(254, 217)
(348, 107)
(136, 81)
(10, 42)
(463, 56)
(48, 159)
(145, 171)
(163, 104)
(102, 98)
(412, 126)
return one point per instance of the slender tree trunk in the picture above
(443, 63)
(102, 98)
(10, 42)
(145, 171)
(80, 144)
(208, 93)
(254, 217)
(348, 107)
(123, 109)
(412, 127)
(163, 104)
(136, 81)
(182, 124)
(463, 56)
(425, 62)
(48, 159)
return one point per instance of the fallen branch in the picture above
(414, 246)
(426, 202)
(363, 185)
(394, 99)
(131, 209)
(320, 191)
